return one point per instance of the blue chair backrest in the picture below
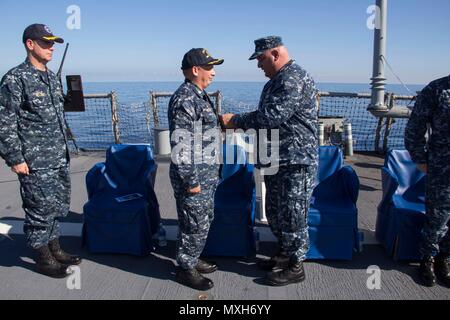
(234, 159)
(94, 177)
(126, 170)
(411, 181)
(330, 161)
(129, 165)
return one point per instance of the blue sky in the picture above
(141, 40)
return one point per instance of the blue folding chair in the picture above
(401, 212)
(122, 213)
(232, 230)
(333, 215)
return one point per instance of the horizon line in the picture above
(244, 81)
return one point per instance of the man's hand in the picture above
(225, 121)
(21, 169)
(195, 190)
(423, 167)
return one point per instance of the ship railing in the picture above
(106, 121)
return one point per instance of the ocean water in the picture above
(93, 129)
(244, 92)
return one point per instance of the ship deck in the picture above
(152, 278)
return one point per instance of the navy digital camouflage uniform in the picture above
(33, 130)
(289, 103)
(433, 108)
(191, 109)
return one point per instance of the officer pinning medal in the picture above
(288, 103)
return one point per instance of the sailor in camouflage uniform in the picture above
(432, 110)
(194, 171)
(34, 144)
(288, 104)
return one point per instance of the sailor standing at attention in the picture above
(33, 143)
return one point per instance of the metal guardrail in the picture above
(98, 126)
(106, 121)
(370, 133)
(155, 96)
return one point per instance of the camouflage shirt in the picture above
(192, 113)
(432, 108)
(288, 103)
(32, 126)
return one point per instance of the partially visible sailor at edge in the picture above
(432, 110)
(33, 143)
(192, 112)
(288, 104)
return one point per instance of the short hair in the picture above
(187, 73)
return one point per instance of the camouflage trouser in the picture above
(435, 233)
(46, 197)
(288, 195)
(195, 214)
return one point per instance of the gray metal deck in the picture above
(126, 277)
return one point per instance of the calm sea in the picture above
(244, 92)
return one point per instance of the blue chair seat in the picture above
(401, 212)
(413, 207)
(117, 227)
(332, 242)
(104, 208)
(231, 232)
(335, 214)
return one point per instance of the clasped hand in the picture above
(225, 121)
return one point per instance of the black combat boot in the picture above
(279, 261)
(294, 273)
(193, 279)
(426, 272)
(206, 267)
(442, 268)
(62, 256)
(47, 264)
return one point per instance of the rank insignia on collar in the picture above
(39, 94)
